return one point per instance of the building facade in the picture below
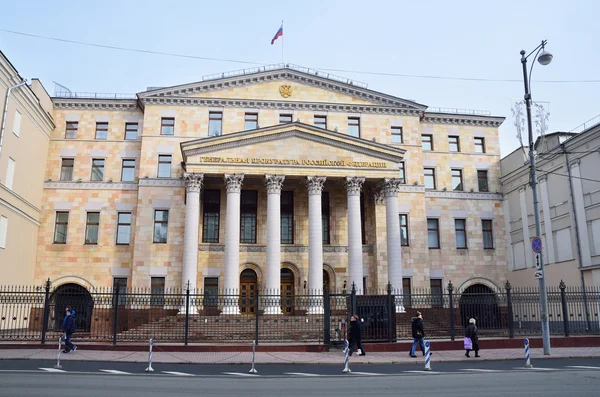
(569, 202)
(25, 126)
(281, 179)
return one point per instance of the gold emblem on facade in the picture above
(285, 90)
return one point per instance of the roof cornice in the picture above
(95, 104)
(467, 119)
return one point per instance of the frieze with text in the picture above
(320, 163)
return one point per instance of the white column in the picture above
(584, 240)
(315, 242)
(549, 240)
(189, 274)
(391, 187)
(355, 263)
(232, 242)
(273, 276)
(525, 226)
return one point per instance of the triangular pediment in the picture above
(301, 85)
(294, 148)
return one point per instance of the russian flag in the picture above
(277, 35)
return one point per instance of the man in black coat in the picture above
(354, 337)
(418, 333)
(68, 328)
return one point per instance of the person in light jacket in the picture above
(471, 332)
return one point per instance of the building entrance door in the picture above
(287, 291)
(248, 285)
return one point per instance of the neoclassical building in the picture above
(274, 179)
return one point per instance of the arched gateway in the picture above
(479, 302)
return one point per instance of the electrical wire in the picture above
(375, 73)
(566, 176)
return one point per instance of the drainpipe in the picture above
(6, 110)
(587, 314)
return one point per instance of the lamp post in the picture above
(543, 58)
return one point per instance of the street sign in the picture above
(538, 265)
(536, 244)
(538, 274)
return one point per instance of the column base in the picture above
(315, 310)
(273, 310)
(230, 310)
(400, 308)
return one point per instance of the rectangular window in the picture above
(407, 291)
(98, 169)
(454, 143)
(167, 126)
(404, 230)
(429, 178)
(215, 123)
(433, 233)
(66, 169)
(397, 136)
(164, 165)
(128, 170)
(212, 215)
(71, 130)
(321, 122)
(325, 217)
(123, 228)
(161, 226)
(60, 227)
(427, 142)
(250, 121)
(131, 131)
(479, 145)
(460, 230)
(249, 206)
(488, 234)
(211, 292)
(287, 217)
(457, 182)
(3, 231)
(157, 291)
(17, 123)
(482, 180)
(101, 131)
(92, 225)
(10, 173)
(437, 292)
(354, 126)
(402, 176)
(285, 118)
(120, 284)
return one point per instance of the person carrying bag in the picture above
(471, 339)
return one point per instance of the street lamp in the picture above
(543, 58)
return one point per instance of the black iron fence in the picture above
(184, 316)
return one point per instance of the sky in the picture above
(359, 39)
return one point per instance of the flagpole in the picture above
(282, 42)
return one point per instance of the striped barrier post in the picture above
(427, 357)
(527, 356)
(58, 366)
(253, 370)
(346, 352)
(150, 369)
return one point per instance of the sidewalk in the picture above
(332, 357)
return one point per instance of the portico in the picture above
(307, 160)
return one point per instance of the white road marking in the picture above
(301, 374)
(115, 372)
(480, 370)
(52, 370)
(537, 369)
(177, 373)
(582, 367)
(421, 372)
(366, 373)
(240, 374)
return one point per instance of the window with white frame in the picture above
(3, 231)
(10, 173)
(17, 123)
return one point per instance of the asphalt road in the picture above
(551, 377)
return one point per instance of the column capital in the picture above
(522, 189)
(234, 182)
(391, 186)
(315, 184)
(574, 163)
(274, 183)
(193, 181)
(354, 185)
(378, 195)
(542, 178)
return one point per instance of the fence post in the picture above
(511, 324)
(115, 314)
(391, 311)
(256, 306)
(565, 312)
(46, 313)
(352, 300)
(326, 317)
(187, 313)
(451, 305)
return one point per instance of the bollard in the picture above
(253, 370)
(346, 352)
(58, 366)
(427, 357)
(527, 357)
(150, 369)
